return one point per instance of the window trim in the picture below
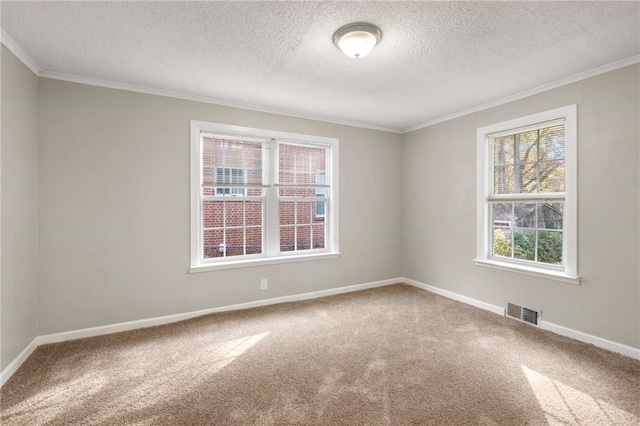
(569, 273)
(197, 263)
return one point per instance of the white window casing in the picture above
(567, 271)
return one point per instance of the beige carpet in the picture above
(388, 356)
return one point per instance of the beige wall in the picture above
(19, 206)
(114, 209)
(439, 166)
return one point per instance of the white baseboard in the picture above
(150, 322)
(455, 296)
(545, 325)
(589, 338)
(17, 362)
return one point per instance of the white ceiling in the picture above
(435, 58)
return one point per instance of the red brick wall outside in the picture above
(233, 225)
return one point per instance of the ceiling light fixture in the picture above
(357, 39)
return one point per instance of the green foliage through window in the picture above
(524, 244)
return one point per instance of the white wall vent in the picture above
(523, 314)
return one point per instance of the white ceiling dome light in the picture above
(358, 39)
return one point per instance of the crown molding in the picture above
(545, 87)
(207, 100)
(20, 54)
(31, 64)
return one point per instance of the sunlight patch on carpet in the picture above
(133, 384)
(223, 354)
(564, 405)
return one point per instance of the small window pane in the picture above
(550, 215)
(286, 192)
(525, 215)
(550, 247)
(306, 192)
(552, 143)
(524, 244)
(231, 153)
(305, 178)
(234, 242)
(527, 179)
(287, 238)
(503, 151)
(254, 213)
(286, 177)
(253, 176)
(207, 175)
(304, 212)
(212, 214)
(503, 214)
(303, 161)
(318, 236)
(502, 242)
(254, 240)
(213, 243)
(287, 213)
(551, 176)
(503, 180)
(298, 164)
(304, 237)
(527, 147)
(254, 192)
(233, 213)
(208, 147)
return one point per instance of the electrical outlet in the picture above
(263, 284)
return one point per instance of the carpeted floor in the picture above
(388, 356)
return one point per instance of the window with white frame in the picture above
(527, 195)
(256, 194)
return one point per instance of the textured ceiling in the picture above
(435, 58)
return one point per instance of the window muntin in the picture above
(527, 194)
(255, 195)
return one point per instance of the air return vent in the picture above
(522, 313)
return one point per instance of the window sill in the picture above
(527, 270)
(246, 263)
